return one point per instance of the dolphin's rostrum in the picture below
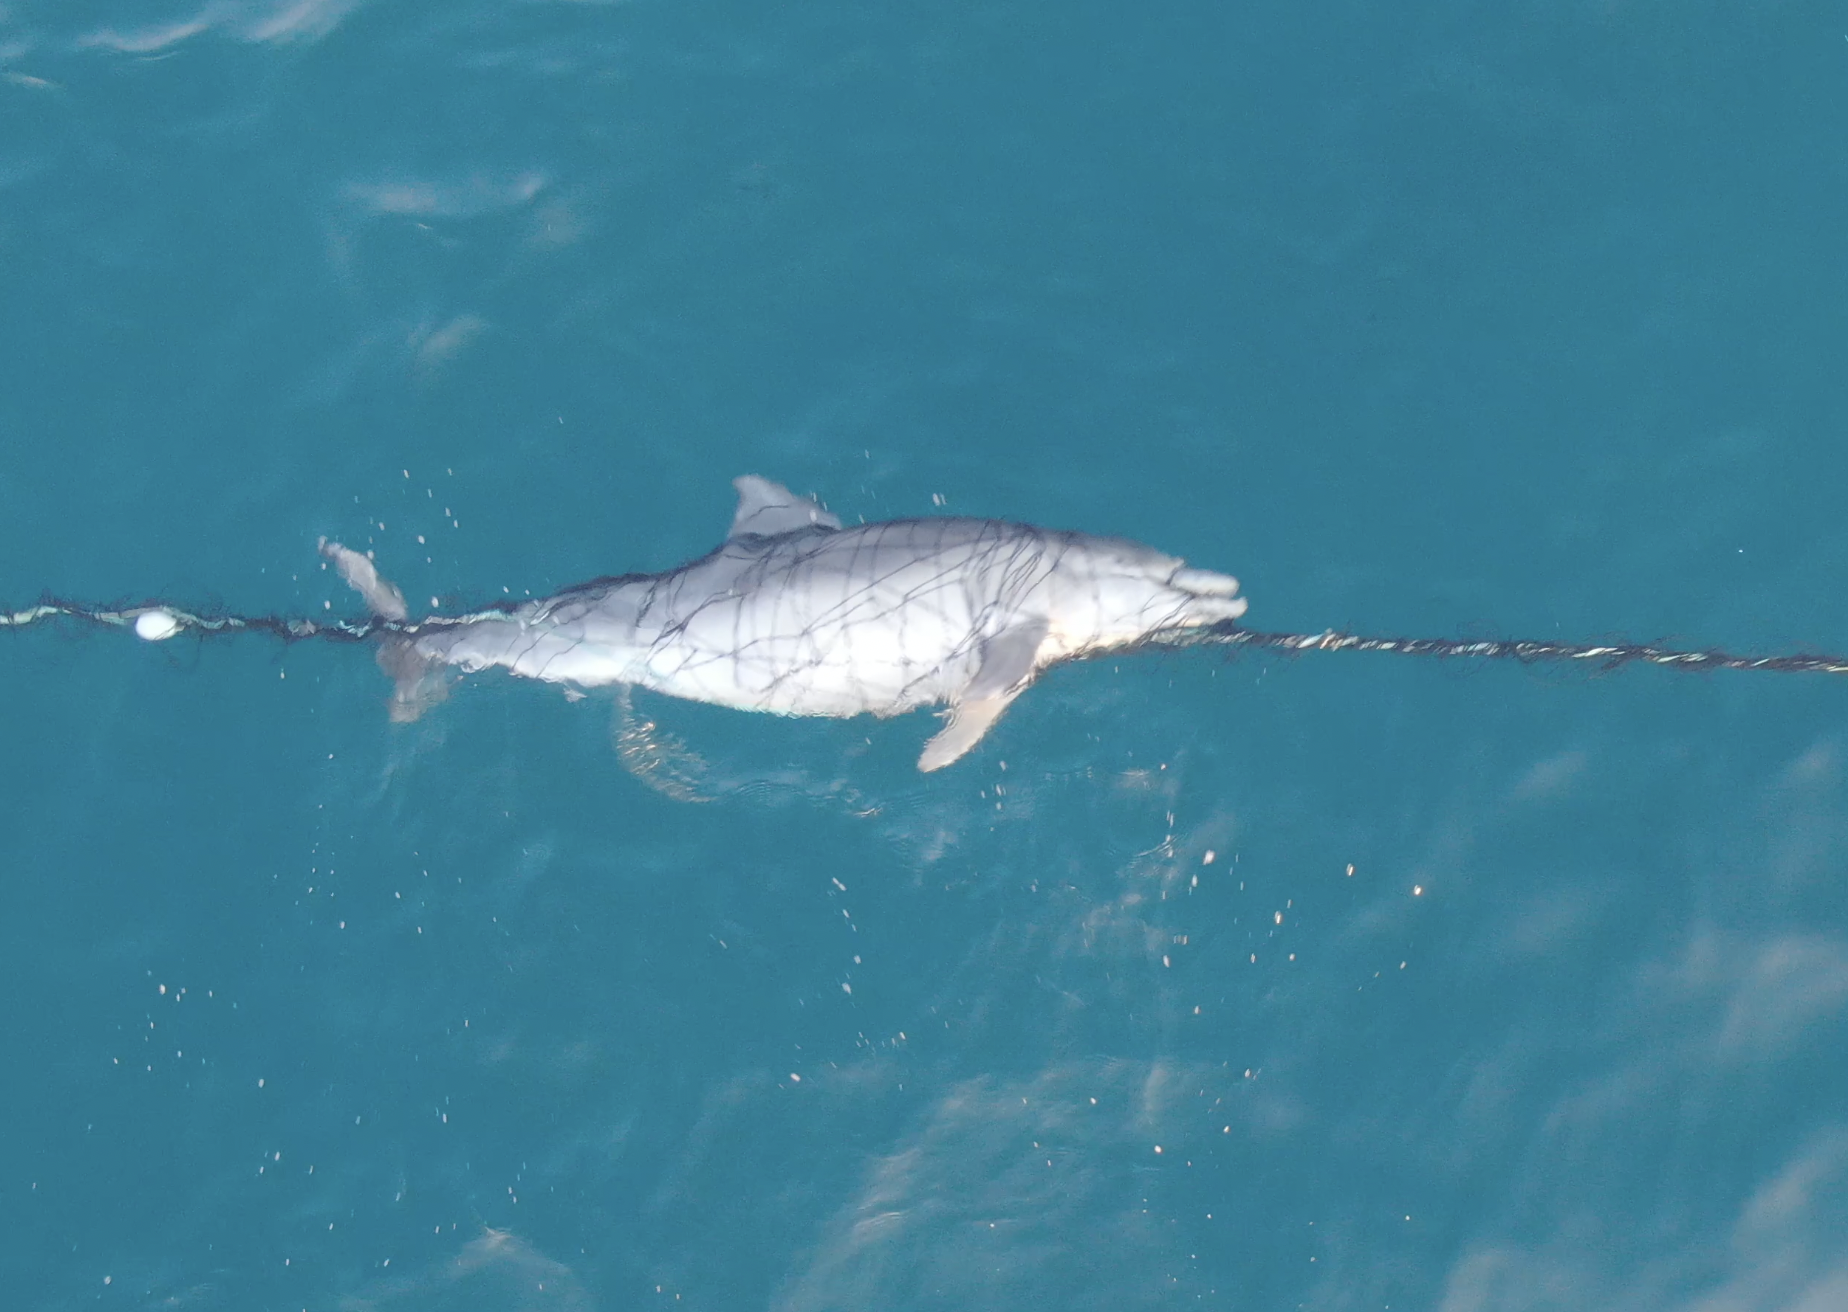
(795, 614)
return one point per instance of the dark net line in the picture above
(275, 626)
(1225, 633)
(1607, 656)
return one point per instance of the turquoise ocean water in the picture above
(1341, 982)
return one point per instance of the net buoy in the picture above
(156, 625)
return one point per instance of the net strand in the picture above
(1606, 655)
(1225, 634)
(276, 626)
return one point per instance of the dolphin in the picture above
(795, 614)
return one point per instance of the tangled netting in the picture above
(1605, 655)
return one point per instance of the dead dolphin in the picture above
(797, 615)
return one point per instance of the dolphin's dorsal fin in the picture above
(766, 509)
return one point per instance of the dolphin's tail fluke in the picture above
(382, 598)
(417, 681)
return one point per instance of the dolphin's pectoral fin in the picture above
(656, 757)
(1008, 661)
(969, 720)
(766, 509)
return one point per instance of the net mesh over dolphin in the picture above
(795, 614)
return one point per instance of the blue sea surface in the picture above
(1338, 981)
